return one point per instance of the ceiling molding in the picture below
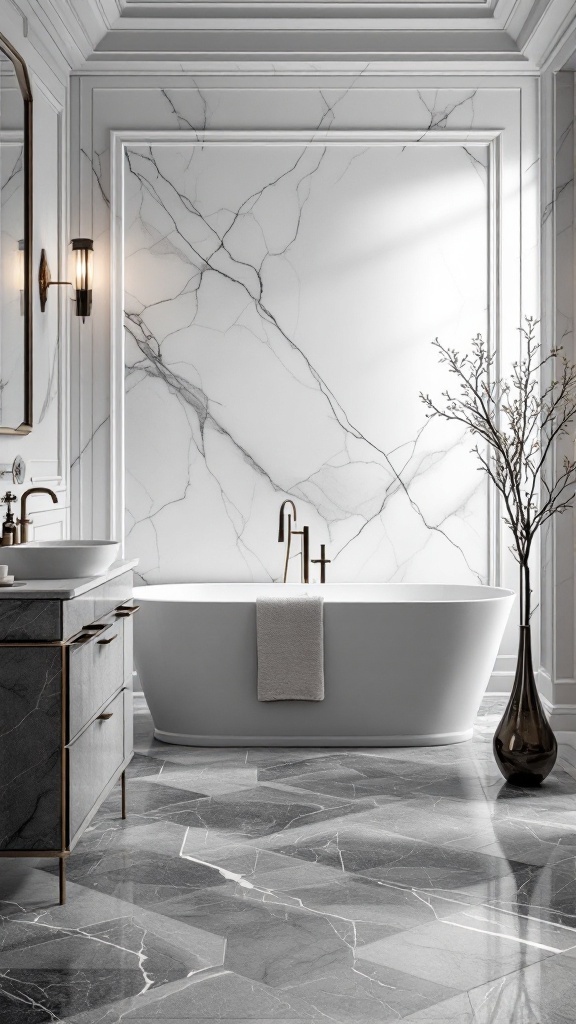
(327, 31)
(546, 35)
(74, 27)
(261, 42)
(116, 35)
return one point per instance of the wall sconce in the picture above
(83, 250)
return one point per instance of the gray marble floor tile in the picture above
(395, 858)
(108, 832)
(306, 885)
(457, 1010)
(141, 878)
(461, 953)
(542, 993)
(261, 811)
(155, 801)
(209, 780)
(222, 996)
(364, 992)
(142, 766)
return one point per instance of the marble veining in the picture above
(279, 307)
(30, 747)
(304, 886)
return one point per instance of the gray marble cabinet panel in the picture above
(95, 672)
(24, 620)
(30, 748)
(93, 759)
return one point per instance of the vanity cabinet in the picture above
(65, 710)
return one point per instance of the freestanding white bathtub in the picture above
(404, 665)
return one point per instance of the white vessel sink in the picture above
(59, 559)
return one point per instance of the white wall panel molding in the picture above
(471, 141)
(51, 353)
(557, 242)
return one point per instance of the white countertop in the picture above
(64, 590)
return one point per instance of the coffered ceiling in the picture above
(395, 35)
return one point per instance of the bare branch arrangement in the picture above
(518, 421)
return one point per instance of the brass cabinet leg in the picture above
(62, 875)
(123, 777)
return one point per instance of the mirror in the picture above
(15, 243)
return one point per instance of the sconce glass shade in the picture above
(20, 272)
(20, 263)
(83, 253)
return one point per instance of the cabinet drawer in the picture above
(95, 672)
(95, 604)
(93, 760)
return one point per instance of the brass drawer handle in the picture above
(88, 633)
(107, 640)
(105, 716)
(81, 639)
(124, 610)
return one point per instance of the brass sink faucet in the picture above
(23, 522)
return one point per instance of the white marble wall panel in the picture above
(136, 107)
(280, 304)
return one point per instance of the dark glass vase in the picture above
(525, 747)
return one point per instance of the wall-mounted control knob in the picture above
(16, 470)
(322, 562)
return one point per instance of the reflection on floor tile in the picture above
(292, 886)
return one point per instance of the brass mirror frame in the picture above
(24, 83)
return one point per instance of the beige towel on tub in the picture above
(290, 636)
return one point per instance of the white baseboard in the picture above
(502, 674)
(500, 682)
(562, 717)
(567, 752)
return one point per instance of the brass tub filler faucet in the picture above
(285, 536)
